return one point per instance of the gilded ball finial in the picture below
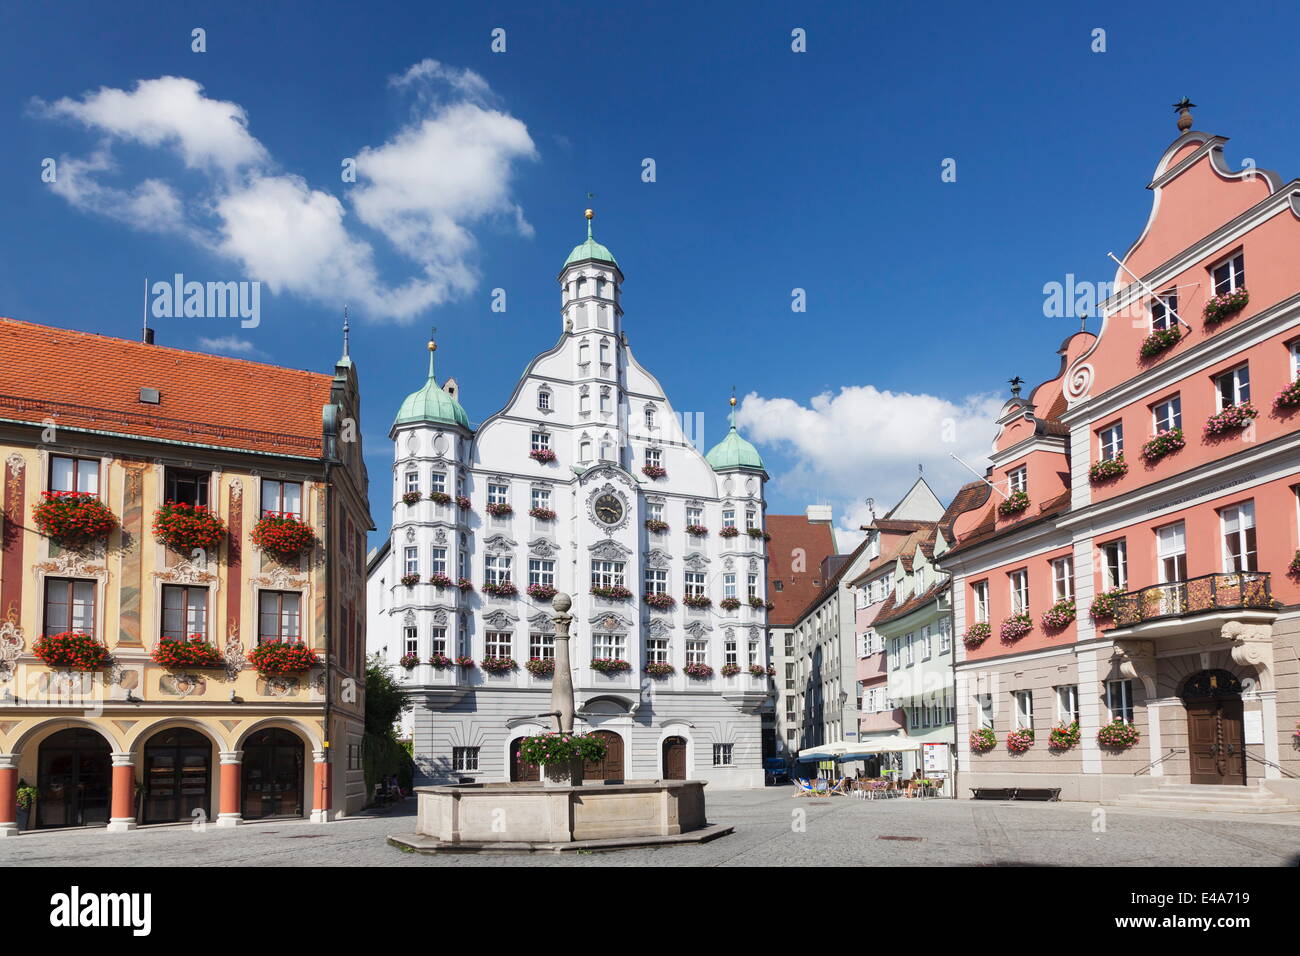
(591, 214)
(732, 401)
(433, 346)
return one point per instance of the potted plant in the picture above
(185, 527)
(409, 580)
(71, 518)
(610, 665)
(698, 671)
(1225, 305)
(408, 661)
(1016, 626)
(498, 665)
(758, 670)
(194, 651)
(282, 657)
(282, 535)
(1232, 418)
(543, 455)
(654, 471)
(465, 585)
(542, 514)
(542, 592)
(983, 740)
(730, 670)
(441, 662)
(1117, 735)
(1166, 442)
(1063, 736)
(729, 603)
(562, 756)
(412, 497)
(464, 660)
(70, 650)
(1159, 341)
(500, 589)
(1018, 741)
(499, 509)
(462, 503)
(1294, 566)
(440, 580)
(698, 601)
(730, 531)
(441, 498)
(1289, 397)
(611, 592)
(976, 634)
(660, 600)
(540, 666)
(1103, 605)
(655, 526)
(659, 669)
(1108, 469)
(697, 530)
(26, 804)
(756, 602)
(1059, 615)
(1015, 503)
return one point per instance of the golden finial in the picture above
(433, 346)
(591, 214)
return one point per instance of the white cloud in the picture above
(231, 345)
(420, 193)
(864, 443)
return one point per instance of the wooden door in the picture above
(1233, 735)
(675, 758)
(520, 771)
(611, 768)
(1216, 741)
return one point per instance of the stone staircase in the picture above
(1206, 797)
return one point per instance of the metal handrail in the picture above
(1270, 763)
(1172, 751)
(1199, 595)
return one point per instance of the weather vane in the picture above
(1015, 386)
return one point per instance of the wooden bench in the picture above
(993, 793)
(1015, 793)
(1038, 793)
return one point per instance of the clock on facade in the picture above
(609, 509)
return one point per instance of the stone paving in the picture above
(771, 829)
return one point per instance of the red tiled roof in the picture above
(889, 611)
(969, 496)
(84, 380)
(791, 534)
(988, 530)
(898, 524)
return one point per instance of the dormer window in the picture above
(1163, 308)
(1230, 274)
(1018, 479)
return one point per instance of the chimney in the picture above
(819, 514)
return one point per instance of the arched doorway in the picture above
(272, 775)
(1216, 740)
(74, 773)
(610, 768)
(177, 775)
(674, 752)
(519, 771)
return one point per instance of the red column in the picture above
(231, 767)
(320, 806)
(123, 815)
(8, 795)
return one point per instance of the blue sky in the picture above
(775, 170)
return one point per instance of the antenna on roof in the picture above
(146, 335)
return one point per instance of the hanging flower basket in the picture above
(542, 592)
(1231, 419)
(501, 589)
(1018, 741)
(983, 740)
(408, 661)
(282, 657)
(729, 532)
(1103, 605)
(758, 670)
(655, 526)
(440, 581)
(70, 650)
(610, 665)
(697, 530)
(462, 503)
(729, 604)
(730, 670)
(185, 527)
(1165, 442)
(284, 536)
(441, 662)
(194, 651)
(1118, 735)
(697, 601)
(542, 514)
(72, 518)
(976, 634)
(560, 749)
(464, 660)
(1294, 566)
(1015, 627)
(654, 471)
(660, 669)
(1064, 736)
(660, 600)
(1016, 502)
(1289, 397)
(613, 592)
(409, 580)
(757, 602)
(499, 509)
(543, 455)
(1159, 341)
(1059, 615)
(698, 671)
(465, 585)
(440, 497)
(540, 666)
(1225, 305)
(1108, 469)
(412, 497)
(498, 665)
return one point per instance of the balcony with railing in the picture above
(1177, 601)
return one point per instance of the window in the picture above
(605, 646)
(656, 581)
(722, 755)
(979, 592)
(279, 616)
(541, 498)
(730, 651)
(584, 401)
(1294, 349)
(439, 640)
(654, 457)
(656, 650)
(1018, 480)
(1019, 590)
(909, 650)
(1067, 703)
(1238, 537)
(69, 606)
(464, 759)
(496, 568)
(185, 612)
(927, 643)
(1111, 441)
(1229, 275)
(282, 497)
(184, 486)
(655, 511)
(945, 635)
(753, 652)
(728, 517)
(729, 585)
(649, 416)
(541, 647)
(438, 482)
(584, 450)
(752, 585)
(411, 640)
(541, 441)
(604, 399)
(411, 561)
(1119, 700)
(1167, 415)
(1063, 579)
(438, 561)
(1114, 565)
(694, 584)
(74, 474)
(606, 574)
(498, 494)
(544, 399)
(1232, 387)
(498, 644)
(541, 571)
(1163, 309)
(694, 516)
(985, 702)
(751, 519)
(1171, 544)
(778, 585)
(697, 652)
(1024, 709)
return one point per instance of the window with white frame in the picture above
(1229, 275)
(438, 560)
(496, 568)
(654, 457)
(1019, 590)
(1232, 387)
(544, 399)
(412, 482)
(584, 401)
(604, 399)
(606, 574)
(1294, 350)
(656, 581)
(438, 482)
(1018, 479)
(411, 561)
(1119, 700)
(722, 755)
(498, 494)
(694, 516)
(1171, 552)
(1067, 703)
(649, 416)
(730, 651)
(541, 646)
(979, 592)
(697, 652)
(464, 759)
(895, 658)
(282, 497)
(729, 585)
(1163, 309)
(411, 640)
(608, 646)
(606, 449)
(1114, 565)
(1023, 701)
(1238, 524)
(1111, 441)
(985, 713)
(655, 510)
(541, 498)
(694, 584)
(1063, 579)
(753, 652)
(499, 644)
(541, 571)
(1167, 415)
(656, 650)
(909, 650)
(751, 519)
(728, 517)
(945, 635)
(584, 355)
(584, 450)
(752, 585)
(541, 441)
(438, 639)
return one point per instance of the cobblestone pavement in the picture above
(771, 830)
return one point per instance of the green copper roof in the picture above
(431, 404)
(733, 452)
(591, 249)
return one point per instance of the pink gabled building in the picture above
(1131, 573)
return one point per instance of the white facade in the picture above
(605, 418)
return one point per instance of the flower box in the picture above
(1059, 615)
(540, 666)
(501, 589)
(654, 471)
(1118, 735)
(1231, 419)
(1108, 469)
(697, 601)
(729, 604)
(72, 518)
(71, 650)
(697, 530)
(184, 528)
(610, 665)
(729, 532)
(464, 660)
(465, 585)
(462, 503)
(411, 497)
(660, 669)
(663, 602)
(440, 497)
(284, 536)
(976, 634)
(1103, 605)
(543, 455)
(1160, 340)
(757, 602)
(1064, 736)
(282, 657)
(1224, 306)
(1165, 442)
(1015, 503)
(655, 526)
(440, 581)
(542, 592)
(730, 670)
(1015, 627)
(1294, 566)
(542, 514)
(499, 509)
(409, 580)
(983, 740)
(408, 661)
(613, 592)
(194, 651)
(698, 671)
(560, 749)
(758, 670)
(440, 662)
(498, 665)
(1018, 741)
